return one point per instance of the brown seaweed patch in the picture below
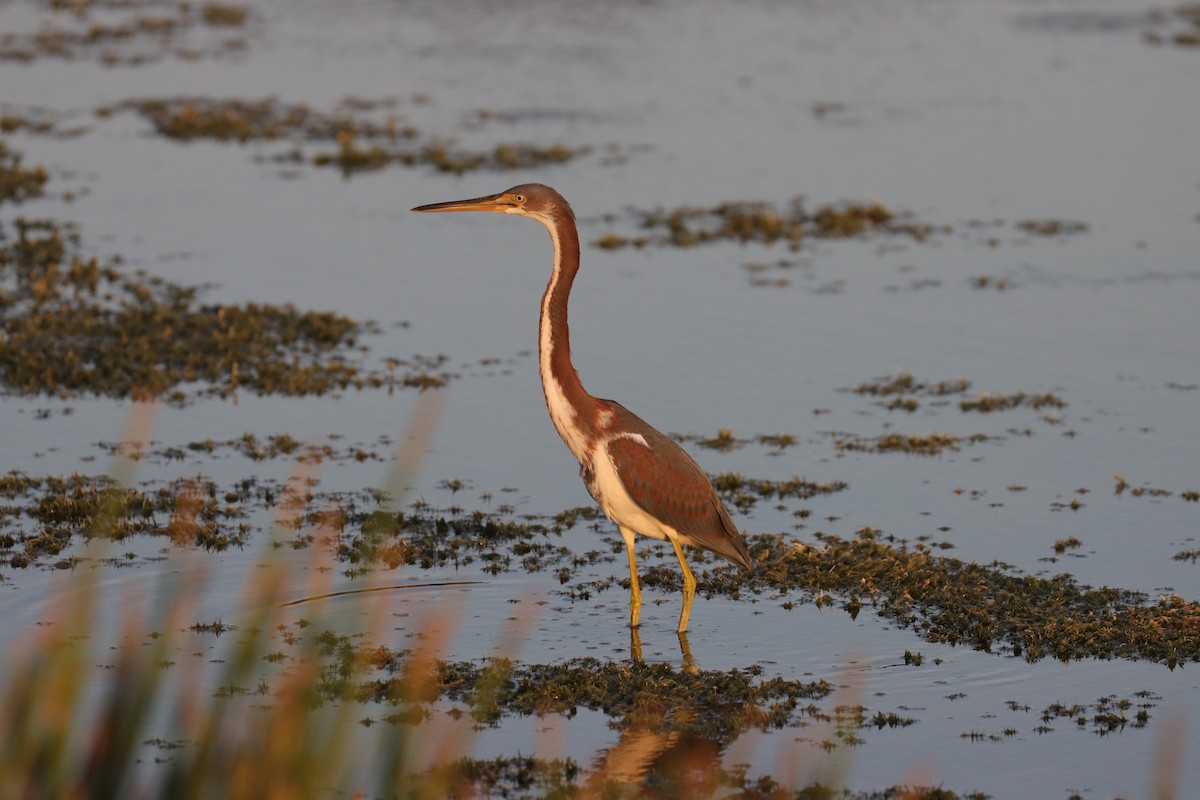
(130, 34)
(363, 142)
(904, 392)
(992, 282)
(744, 492)
(73, 325)
(989, 607)
(188, 119)
(930, 444)
(903, 383)
(224, 15)
(256, 448)
(190, 510)
(766, 223)
(988, 402)
(1146, 490)
(1108, 715)
(1051, 227)
(724, 441)
(1179, 26)
(17, 183)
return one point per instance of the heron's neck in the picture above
(571, 408)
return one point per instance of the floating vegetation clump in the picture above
(1108, 715)
(765, 223)
(904, 392)
(744, 492)
(273, 446)
(18, 184)
(1146, 490)
(991, 282)
(41, 516)
(352, 140)
(905, 383)
(988, 607)
(930, 444)
(724, 441)
(74, 326)
(1051, 227)
(989, 401)
(188, 119)
(131, 33)
(1179, 26)
(224, 15)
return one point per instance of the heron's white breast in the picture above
(615, 500)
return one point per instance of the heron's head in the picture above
(528, 200)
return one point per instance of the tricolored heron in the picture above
(643, 481)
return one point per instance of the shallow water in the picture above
(977, 112)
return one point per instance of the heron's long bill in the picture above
(493, 202)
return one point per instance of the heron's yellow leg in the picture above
(685, 648)
(689, 587)
(635, 645)
(635, 589)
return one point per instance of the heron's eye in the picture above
(520, 198)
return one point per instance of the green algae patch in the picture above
(766, 223)
(17, 183)
(987, 607)
(75, 326)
